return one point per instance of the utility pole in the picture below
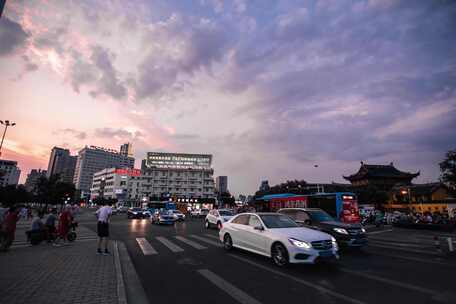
(7, 124)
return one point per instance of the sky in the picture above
(270, 88)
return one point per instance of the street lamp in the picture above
(7, 124)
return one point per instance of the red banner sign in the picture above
(129, 172)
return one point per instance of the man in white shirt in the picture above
(103, 215)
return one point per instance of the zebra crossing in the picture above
(177, 243)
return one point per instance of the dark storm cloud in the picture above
(331, 79)
(12, 36)
(201, 43)
(108, 82)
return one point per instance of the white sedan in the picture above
(279, 237)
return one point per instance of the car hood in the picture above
(334, 224)
(301, 233)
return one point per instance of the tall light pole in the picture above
(7, 124)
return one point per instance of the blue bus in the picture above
(342, 206)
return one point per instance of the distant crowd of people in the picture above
(51, 224)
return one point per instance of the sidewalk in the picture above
(68, 274)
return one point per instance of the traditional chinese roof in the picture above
(380, 171)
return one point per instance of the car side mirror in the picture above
(259, 227)
(307, 222)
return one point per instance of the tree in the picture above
(14, 195)
(52, 190)
(448, 169)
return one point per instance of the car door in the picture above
(256, 239)
(237, 230)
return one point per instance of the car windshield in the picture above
(225, 213)
(163, 213)
(320, 216)
(278, 221)
(176, 211)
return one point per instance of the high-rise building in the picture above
(177, 175)
(9, 173)
(33, 177)
(221, 184)
(126, 149)
(61, 163)
(93, 159)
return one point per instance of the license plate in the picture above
(327, 253)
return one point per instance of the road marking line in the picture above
(173, 247)
(146, 247)
(205, 240)
(304, 282)
(378, 232)
(212, 236)
(391, 282)
(190, 243)
(227, 287)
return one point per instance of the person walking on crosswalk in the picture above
(103, 215)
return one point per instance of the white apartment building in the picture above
(177, 175)
(10, 173)
(93, 159)
(121, 184)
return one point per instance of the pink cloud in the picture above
(24, 162)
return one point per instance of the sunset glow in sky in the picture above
(270, 88)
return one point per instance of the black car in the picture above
(351, 235)
(135, 213)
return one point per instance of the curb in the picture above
(134, 290)
(121, 294)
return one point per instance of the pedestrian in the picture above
(9, 227)
(65, 219)
(50, 225)
(23, 213)
(29, 214)
(103, 215)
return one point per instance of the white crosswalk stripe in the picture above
(190, 243)
(206, 240)
(173, 247)
(146, 247)
(212, 236)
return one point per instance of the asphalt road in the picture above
(185, 262)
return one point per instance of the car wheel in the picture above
(279, 255)
(219, 225)
(207, 224)
(227, 242)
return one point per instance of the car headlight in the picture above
(363, 230)
(300, 244)
(135, 213)
(340, 230)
